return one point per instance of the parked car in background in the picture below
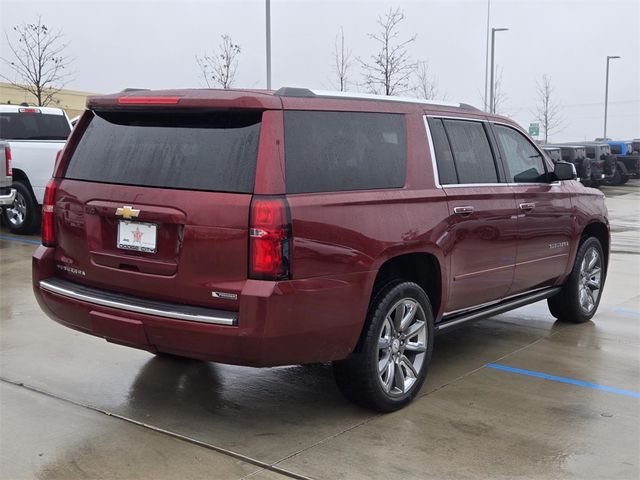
(554, 153)
(590, 173)
(292, 227)
(34, 136)
(635, 146)
(600, 154)
(7, 193)
(627, 162)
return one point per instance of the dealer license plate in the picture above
(137, 236)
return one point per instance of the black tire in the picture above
(23, 216)
(569, 305)
(625, 179)
(617, 178)
(585, 172)
(359, 377)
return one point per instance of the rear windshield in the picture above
(33, 126)
(337, 151)
(205, 150)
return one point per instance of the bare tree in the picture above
(499, 96)
(547, 110)
(38, 62)
(389, 71)
(342, 61)
(426, 86)
(219, 68)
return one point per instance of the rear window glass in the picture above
(213, 151)
(33, 126)
(338, 151)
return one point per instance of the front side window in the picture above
(524, 163)
(471, 151)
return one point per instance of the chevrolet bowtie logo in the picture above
(127, 212)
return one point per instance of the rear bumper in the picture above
(7, 198)
(278, 323)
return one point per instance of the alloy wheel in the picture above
(402, 347)
(590, 280)
(17, 211)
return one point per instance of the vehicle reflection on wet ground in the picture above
(170, 417)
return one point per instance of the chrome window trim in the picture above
(230, 319)
(434, 165)
(436, 176)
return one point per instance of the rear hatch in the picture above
(155, 203)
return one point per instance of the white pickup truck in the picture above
(34, 135)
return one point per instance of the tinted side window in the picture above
(444, 158)
(334, 151)
(616, 149)
(524, 162)
(471, 152)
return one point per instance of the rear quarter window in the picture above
(340, 151)
(211, 151)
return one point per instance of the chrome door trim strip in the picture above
(504, 306)
(493, 302)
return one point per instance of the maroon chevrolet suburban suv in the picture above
(272, 228)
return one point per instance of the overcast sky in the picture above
(152, 44)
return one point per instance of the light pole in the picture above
(268, 19)
(486, 60)
(606, 94)
(492, 107)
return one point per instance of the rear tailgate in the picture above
(156, 204)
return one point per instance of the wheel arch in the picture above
(600, 231)
(423, 268)
(19, 176)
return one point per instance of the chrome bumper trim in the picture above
(9, 198)
(138, 305)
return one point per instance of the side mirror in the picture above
(565, 171)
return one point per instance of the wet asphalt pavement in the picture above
(75, 406)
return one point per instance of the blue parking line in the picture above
(19, 240)
(627, 311)
(571, 381)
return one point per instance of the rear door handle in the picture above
(527, 207)
(466, 210)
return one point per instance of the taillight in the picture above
(7, 161)
(48, 231)
(269, 239)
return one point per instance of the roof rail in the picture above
(134, 89)
(300, 92)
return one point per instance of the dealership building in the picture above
(72, 101)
